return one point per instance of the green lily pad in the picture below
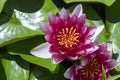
(93, 19)
(106, 2)
(23, 47)
(32, 19)
(13, 31)
(112, 25)
(2, 2)
(113, 28)
(39, 73)
(2, 74)
(15, 68)
(23, 25)
(114, 77)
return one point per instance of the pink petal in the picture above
(72, 21)
(111, 64)
(89, 32)
(46, 28)
(109, 46)
(80, 52)
(83, 63)
(103, 53)
(81, 20)
(54, 49)
(59, 22)
(96, 41)
(104, 57)
(64, 15)
(90, 48)
(42, 51)
(57, 58)
(68, 74)
(98, 31)
(82, 30)
(103, 47)
(108, 75)
(76, 77)
(50, 38)
(52, 21)
(77, 10)
(72, 57)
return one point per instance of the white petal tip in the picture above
(41, 51)
(78, 10)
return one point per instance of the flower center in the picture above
(91, 69)
(68, 37)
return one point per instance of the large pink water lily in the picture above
(91, 65)
(67, 36)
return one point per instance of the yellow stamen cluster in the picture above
(68, 37)
(91, 69)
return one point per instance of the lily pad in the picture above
(106, 2)
(39, 73)
(113, 28)
(15, 68)
(2, 2)
(23, 47)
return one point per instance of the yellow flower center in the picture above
(68, 37)
(91, 69)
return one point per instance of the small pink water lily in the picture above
(67, 36)
(91, 66)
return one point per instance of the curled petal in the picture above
(42, 51)
(57, 58)
(78, 10)
(73, 57)
(64, 15)
(111, 64)
(83, 63)
(109, 46)
(68, 74)
(98, 31)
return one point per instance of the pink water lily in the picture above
(91, 65)
(67, 36)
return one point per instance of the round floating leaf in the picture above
(106, 2)
(39, 73)
(15, 68)
(31, 20)
(22, 48)
(23, 25)
(13, 31)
